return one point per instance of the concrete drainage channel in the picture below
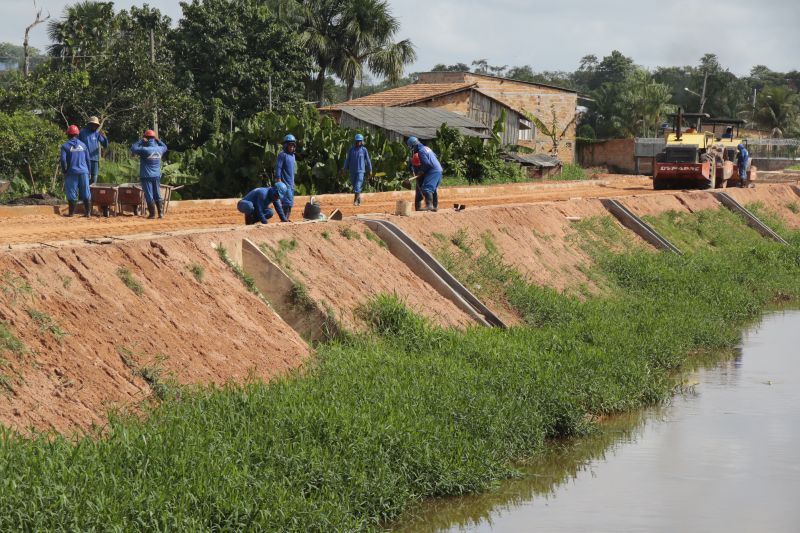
(751, 220)
(638, 226)
(402, 246)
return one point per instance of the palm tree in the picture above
(321, 23)
(778, 108)
(367, 40)
(81, 32)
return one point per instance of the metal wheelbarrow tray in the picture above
(104, 196)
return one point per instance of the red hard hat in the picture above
(73, 130)
(149, 133)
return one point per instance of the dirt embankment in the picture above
(87, 341)
(343, 265)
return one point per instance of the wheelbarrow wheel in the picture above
(106, 211)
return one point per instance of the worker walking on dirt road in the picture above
(93, 138)
(75, 164)
(150, 150)
(743, 162)
(431, 171)
(255, 204)
(357, 164)
(285, 168)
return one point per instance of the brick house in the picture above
(483, 98)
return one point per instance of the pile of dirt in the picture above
(80, 341)
(36, 199)
(344, 265)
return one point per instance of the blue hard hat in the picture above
(289, 139)
(412, 141)
(282, 189)
(740, 147)
(359, 137)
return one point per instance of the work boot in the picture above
(428, 201)
(417, 205)
(160, 207)
(151, 211)
(435, 201)
(87, 209)
(71, 209)
(356, 200)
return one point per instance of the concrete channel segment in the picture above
(304, 315)
(402, 246)
(633, 222)
(751, 220)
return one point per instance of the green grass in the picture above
(280, 253)
(409, 411)
(15, 288)
(300, 297)
(349, 234)
(371, 236)
(47, 324)
(794, 207)
(326, 235)
(130, 281)
(9, 342)
(163, 385)
(198, 272)
(246, 279)
(570, 172)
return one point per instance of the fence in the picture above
(774, 148)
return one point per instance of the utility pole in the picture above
(153, 63)
(702, 99)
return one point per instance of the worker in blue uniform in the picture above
(431, 171)
(357, 164)
(93, 138)
(255, 205)
(285, 168)
(74, 161)
(743, 162)
(151, 150)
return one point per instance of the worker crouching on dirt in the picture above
(255, 204)
(75, 164)
(285, 167)
(357, 164)
(93, 138)
(431, 174)
(744, 161)
(150, 150)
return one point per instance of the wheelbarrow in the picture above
(130, 196)
(104, 196)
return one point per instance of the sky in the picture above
(554, 34)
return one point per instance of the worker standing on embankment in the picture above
(93, 138)
(431, 171)
(357, 164)
(743, 162)
(75, 164)
(255, 205)
(285, 167)
(150, 150)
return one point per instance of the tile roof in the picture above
(406, 95)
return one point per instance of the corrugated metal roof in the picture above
(538, 160)
(404, 96)
(420, 122)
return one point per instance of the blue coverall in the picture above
(744, 159)
(150, 153)
(285, 167)
(93, 139)
(75, 164)
(255, 205)
(357, 164)
(430, 167)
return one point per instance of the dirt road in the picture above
(31, 225)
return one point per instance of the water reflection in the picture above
(725, 456)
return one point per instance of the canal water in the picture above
(723, 456)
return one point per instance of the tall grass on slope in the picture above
(410, 412)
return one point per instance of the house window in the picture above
(527, 132)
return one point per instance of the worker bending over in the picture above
(255, 204)
(744, 161)
(431, 171)
(75, 165)
(150, 150)
(285, 168)
(93, 138)
(357, 163)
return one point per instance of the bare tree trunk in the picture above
(26, 65)
(320, 83)
(350, 86)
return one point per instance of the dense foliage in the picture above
(410, 411)
(29, 156)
